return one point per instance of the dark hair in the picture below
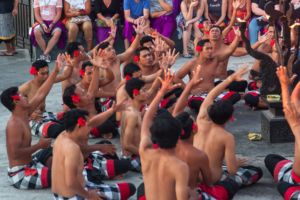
(67, 96)
(132, 84)
(220, 112)
(186, 124)
(103, 45)
(86, 64)
(72, 46)
(202, 42)
(216, 26)
(130, 68)
(145, 39)
(138, 50)
(39, 64)
(6, 97)
(165, 130)
(70, 118)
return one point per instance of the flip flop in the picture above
(6, 54)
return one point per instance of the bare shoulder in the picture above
(14, 125)
(24, 89)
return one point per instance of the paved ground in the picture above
(15, 71)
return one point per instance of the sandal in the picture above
(187, 55)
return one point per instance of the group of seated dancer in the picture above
(148, 106)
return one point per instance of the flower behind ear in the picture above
(81, 122)
(75, 98)
(136, 92)
(15, 97)
(33, 70)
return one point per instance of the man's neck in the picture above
(136, 104)
(84, 85)
(216, 43)
(74, 136)
(20, 113)
(36, 82)
(147, 70)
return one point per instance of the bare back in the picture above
(62, 148)
(160, 172)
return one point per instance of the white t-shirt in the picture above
(47, 8)
(77, 4)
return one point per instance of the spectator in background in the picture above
(259, 19)
(77, 17)
(47, 15)
(135, 11)
(217, 10)
(162, 18)
(188, 19)
(8, 9)
(107, 17)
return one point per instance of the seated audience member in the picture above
(68, 179)
(217, 11)
(47, 16)
(108, 14)
(259, 19)
(77, 18)
(135, 12)
(27, 170)
(218, 143)
(188, 19)
(286, 172)
(162, 19)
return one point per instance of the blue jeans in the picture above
(254, 29)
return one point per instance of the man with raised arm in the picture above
(218, 143)
(284, 171)
(27, 170)
(43, 123)
(68, 161)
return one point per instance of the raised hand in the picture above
(140, 27)
(167, 82)
(60, 61)
(282, 75)
(98, 59)
(237, 31)
(291, 114)
(238, 75)
(158, 45)
(168, 59)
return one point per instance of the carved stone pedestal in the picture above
(274, 126)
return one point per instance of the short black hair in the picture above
(145, 39)
(86, 64)
(138, 50)
(71, 117)
(202, 42)
(6, 97)
(72, 46)
(103, 45)
(130, 68)
(67, 96)
(216, 26)
(132, 84)
(165, 130)
(220, 112)
(39, 64)
(186, 124)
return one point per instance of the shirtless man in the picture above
(114, 61)
(43, 123)
(67, 177)
(219, 144)
(284, 171)
(27, 171)
(160, 166)
(75, 96)
(210, 60)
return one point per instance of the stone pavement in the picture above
(15, 71)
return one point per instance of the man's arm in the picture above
(127, 55)
(185, 69)
(181, 182)
(295, 96)
(228, 51)
(209, 100)
(100, 118)
(129, 135)
(229, 157)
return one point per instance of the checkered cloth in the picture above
(39, 128)
(101, 167)
(135, 162)
(110, 191)
(59, 197)
(284, 172)
(31, 176)
(245, 176)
